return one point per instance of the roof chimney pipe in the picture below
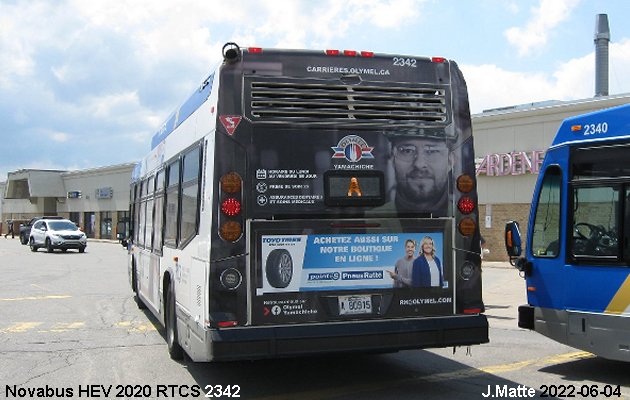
(602, 38)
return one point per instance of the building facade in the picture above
(95, 199)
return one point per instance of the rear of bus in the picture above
(314, 182)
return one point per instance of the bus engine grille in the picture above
(312, 101)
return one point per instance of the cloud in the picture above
(574, 79)
(60, 137)
(544, 18)
(304, 24)
(490, 86)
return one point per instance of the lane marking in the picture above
(20, 327)
(23, 327)
(50, 297)
(64, 327)
(136, 327)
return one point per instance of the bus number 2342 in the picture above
(404, 62)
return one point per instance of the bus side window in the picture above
(545, 240)
(189, 219)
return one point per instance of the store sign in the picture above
(514, 163)
(74, 195)
(104, 193)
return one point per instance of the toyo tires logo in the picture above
(353, 148)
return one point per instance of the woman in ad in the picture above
(427, 268)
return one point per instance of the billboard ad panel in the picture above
(297, 263)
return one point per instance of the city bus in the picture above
(576, 262)
(286, 207)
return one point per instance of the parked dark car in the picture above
(25, 229)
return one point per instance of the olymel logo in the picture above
(353, 148)
(230, 122)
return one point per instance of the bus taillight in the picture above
(465, 183)
(466, 205)
(230, 231)
(231, 207)
(230, 220)
(231, 183)
(226, 324)
(438, 59)
(467, 226)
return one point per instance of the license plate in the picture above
(349, 305)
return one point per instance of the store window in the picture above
(106, 225)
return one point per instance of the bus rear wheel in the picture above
(172, 341)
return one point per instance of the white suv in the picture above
(56, 234)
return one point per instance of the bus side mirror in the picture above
(514, 249)
(513, 241)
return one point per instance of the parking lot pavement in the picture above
(496, 264)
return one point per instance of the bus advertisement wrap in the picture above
(295, 263)
(329, 276)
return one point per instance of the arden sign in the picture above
(513, 163)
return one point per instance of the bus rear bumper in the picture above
(368, 336)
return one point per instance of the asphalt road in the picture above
(69, 325)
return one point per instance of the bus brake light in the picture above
(466, 205)
(332, 52)
(367, 54)
(438, 59)
(350, 53)
(231, 207)
(255, 50)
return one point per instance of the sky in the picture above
(86, 83)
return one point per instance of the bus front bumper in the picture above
(365, 336)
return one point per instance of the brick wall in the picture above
(494, 236)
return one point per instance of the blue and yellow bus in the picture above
(577, 257)
(304, 202)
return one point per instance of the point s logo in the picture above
(353, 148)
(230, 122)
